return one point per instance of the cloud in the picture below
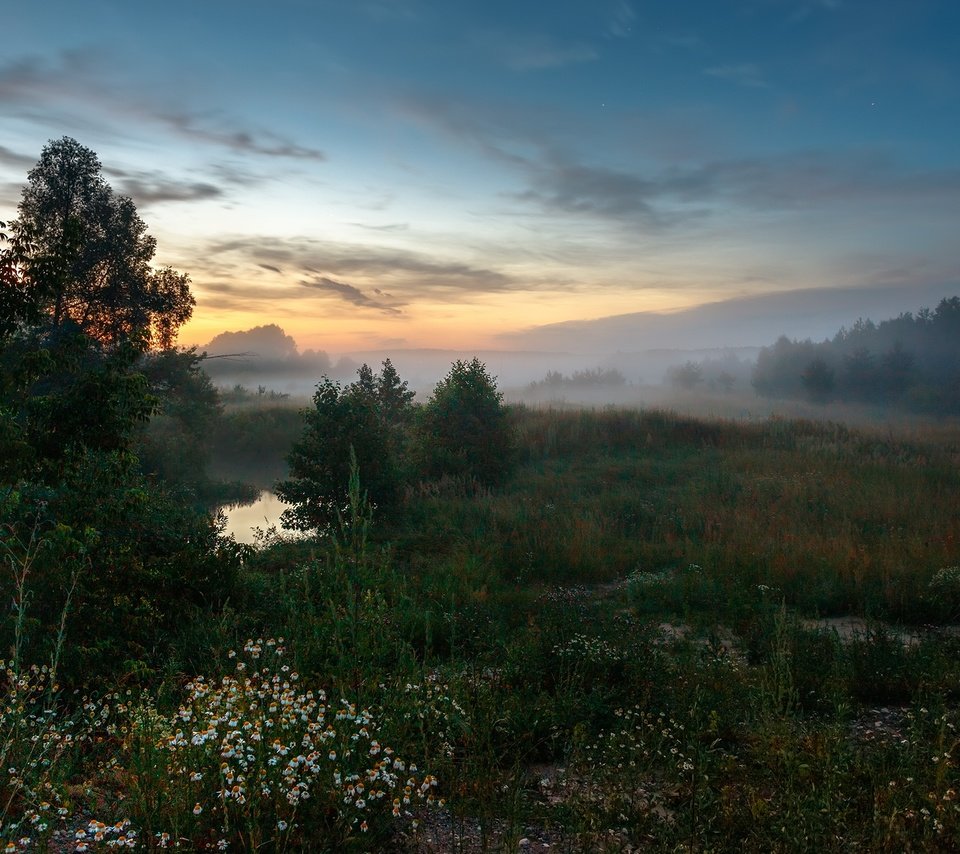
(351, 294)
(812, 180)
(14, 158)
(744, 74)
(390, 226)
(148, 187)
(816, 179)
(499, 131)
(265, 143)
(534, 52)
(577, 188)
(396, 276)
(82, 77)
(620, 20)
(146, 193)
(561, 182)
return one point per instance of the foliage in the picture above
(134, 560)
(366, 421)
(108, 558)
(589, 378)
(818, 381)
(252, 442)
(623, 646)
(463, 430)
(63, 391)
(258, 759)
(176, 444)
(83, 256)
(909, 361)
(686, 376)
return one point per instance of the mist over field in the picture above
(635, 360)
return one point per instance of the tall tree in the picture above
(82, 256)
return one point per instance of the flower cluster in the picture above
(642, 741)
(593, 649)
(97, 835)
(38, 740)
(257, 753)
(432, 711)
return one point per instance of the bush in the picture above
(365, 422)
(463, 428)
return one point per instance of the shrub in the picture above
(364, 421)
(463, 429)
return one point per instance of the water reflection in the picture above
(262, 513)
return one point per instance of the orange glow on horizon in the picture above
(331, 327)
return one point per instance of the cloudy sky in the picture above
(406, 173)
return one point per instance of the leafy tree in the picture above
(860, 378)
(79, 303)
(463, 429)
(81, 256)
(79, 308)
(364, 421)
(176, 443)
(778, 371)
(818, 380)
(897, 372)
(123, 561)
(686, 376)
(65, 392)
(725, 381)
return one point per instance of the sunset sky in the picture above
(436, 173)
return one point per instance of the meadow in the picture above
(660, 633)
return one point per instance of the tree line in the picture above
(911, 361)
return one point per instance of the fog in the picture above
(906, 362)
(527, 376)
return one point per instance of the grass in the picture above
(621, 647)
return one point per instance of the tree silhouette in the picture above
(818, 380)
(463, 429)
(82, 256)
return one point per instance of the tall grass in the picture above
(620, 648)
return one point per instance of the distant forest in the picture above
(911, 362)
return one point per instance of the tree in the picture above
(860, 377)
(897, 368)
(175, 444)
(364, 421)
(80, 307)
(82, 257)
(463, 429)
(818, 380)
(686, 376)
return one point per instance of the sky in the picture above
(436, 173)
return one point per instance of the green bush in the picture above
(463, 429)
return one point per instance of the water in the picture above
(262, 513)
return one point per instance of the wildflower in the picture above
(197, 809)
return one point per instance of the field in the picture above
(662, 633)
